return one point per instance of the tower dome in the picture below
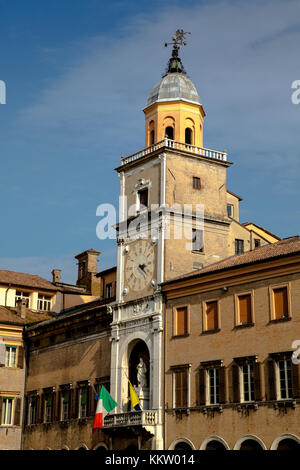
(174, 86)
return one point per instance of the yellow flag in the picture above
(135, 402)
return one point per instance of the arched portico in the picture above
(249, 442)
(208, 443)
(182, 443)
(286, 442)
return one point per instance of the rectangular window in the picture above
(211, 316)
(196, 182)
(213, 385)
(280, 299)
(108, 291)
(247, 375)
(244, 309)
(11, 356)
(285, 379)
(143, 199)
(239, 246)
(7, 411)
(44, 302)
(230, 210)
(48, 408)
(83, 402)
(32, 402)
(256, 242)
(181, 392)
(197, 240)
(22, 295)
(181, 321)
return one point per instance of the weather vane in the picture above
(178, 39)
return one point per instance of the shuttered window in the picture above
(212, 315)
(181, 388)
(244, 309)
(280, 296)
(181, 321)
(213, 385)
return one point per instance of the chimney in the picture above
(55, 275)
(87, 270)
(21, 307)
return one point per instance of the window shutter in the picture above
(235, 384)
(38, 409)
(257, 381)
(75, 409)
(59, 407)
(54, 407)
(181, 321)
(202, 397)
(20, 357)
(295, 381)
(17, 411)
(71, 403)
(245, 308)
(90, 401)
(280, 302)
(271, 372)
(212, 315)
(222, 385)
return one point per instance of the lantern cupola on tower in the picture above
(173, 108)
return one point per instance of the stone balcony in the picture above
(134, 418)
(172, 144)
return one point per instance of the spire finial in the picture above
(175, 64)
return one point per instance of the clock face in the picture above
(140, 263)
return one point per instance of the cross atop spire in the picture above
(175, 64)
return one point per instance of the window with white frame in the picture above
(230, 210)
(284, 378)
(7, 411)
(247, 382)
(213, 385)
(44, 302)
(22, 295)
(10, 356)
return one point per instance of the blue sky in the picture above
(78, 74)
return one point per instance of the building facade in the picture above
(231, 353)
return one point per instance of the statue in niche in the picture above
(141, 374)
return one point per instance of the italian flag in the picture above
(104, 406)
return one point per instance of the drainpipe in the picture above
(9, 286)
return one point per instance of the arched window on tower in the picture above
(188, 136)
(169, 133)
(152, 137)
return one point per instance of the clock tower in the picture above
(156, 183)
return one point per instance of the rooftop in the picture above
(25, 280)
(284, 247)
(10, 315)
